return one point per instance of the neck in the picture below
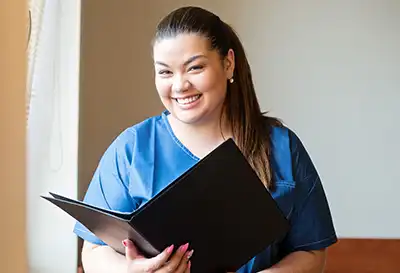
(201, 138)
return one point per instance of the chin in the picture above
(188, 118)
(190, 115)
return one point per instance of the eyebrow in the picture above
(188, 61)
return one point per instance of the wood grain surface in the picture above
(364, 256)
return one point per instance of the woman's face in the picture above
(190, 78)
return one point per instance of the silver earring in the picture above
(231, 80)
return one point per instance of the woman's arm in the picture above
(312, 229)
(102, 259)
(300, 262)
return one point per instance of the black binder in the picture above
(219, 206)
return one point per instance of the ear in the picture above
(229, 64)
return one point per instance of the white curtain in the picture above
(43, 76)
(36, 8)
(52, 116)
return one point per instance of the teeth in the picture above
(188, 99)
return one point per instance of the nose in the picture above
(180, 84)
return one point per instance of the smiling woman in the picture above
(190, 78)
(204, 80)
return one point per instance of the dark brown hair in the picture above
(250, 127)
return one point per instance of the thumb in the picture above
(131, 251)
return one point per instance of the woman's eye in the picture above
(196, 67)
(164, 72)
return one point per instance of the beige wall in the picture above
(12, 139)
(115, 85)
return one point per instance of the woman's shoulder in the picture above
(127, 141)
(290, 156)
(140, 130)
(283, 137)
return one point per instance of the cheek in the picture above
(163, 88)
(212, 83)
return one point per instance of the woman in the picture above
(205, 83)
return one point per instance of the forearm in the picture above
(102, 259)
(300, 262)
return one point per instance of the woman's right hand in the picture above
(162, 263)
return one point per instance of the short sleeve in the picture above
(311, 221)
(109, 187)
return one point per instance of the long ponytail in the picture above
(251, 129)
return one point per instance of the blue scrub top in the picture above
(146, 157)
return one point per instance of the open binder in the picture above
(219, 206)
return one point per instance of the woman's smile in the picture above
(188, 102)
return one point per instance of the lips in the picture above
(187, 100)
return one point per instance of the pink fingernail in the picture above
(184, 247)
(189, 264)
(189, 254)
(170, 248)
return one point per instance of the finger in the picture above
(185, 262)
(188, 267)
(176, 259)
(131, 251)
(152, 264)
